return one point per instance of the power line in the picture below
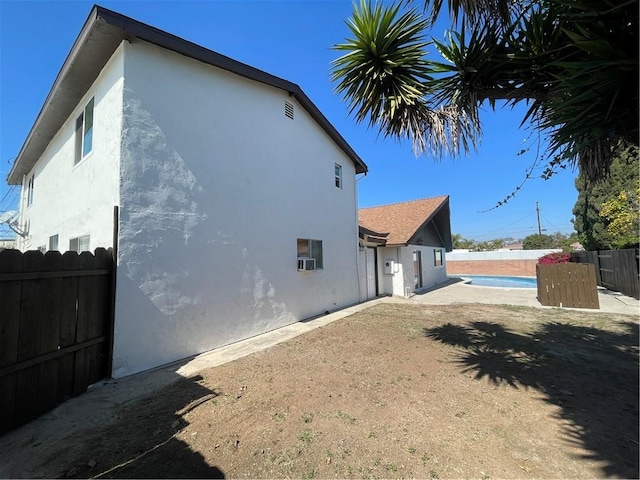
(10, 198)
(498, 230)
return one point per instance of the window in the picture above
(437, 257)
(84, 132)
(53, 242)
(30, 183)
(42, 248)
(311, 249)
(338, 175)
(79, 244)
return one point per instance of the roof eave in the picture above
(19, 168)
(444, 202)
(112, 28)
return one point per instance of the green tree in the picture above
(555, 240)
(622, 214)
(567, 243)
(490, 245)
(575, 64)
(536, 242)
(593, 228)
(460, 242)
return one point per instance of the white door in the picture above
(371, 272)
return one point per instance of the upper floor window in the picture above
(84, 132)
(338, 175)
(30, 183)
(79, 244)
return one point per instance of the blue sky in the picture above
(292, 40)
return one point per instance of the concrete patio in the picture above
(456, 291)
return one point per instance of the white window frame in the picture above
(30, 185)
(312, 249)
(54, 242)
(80, 243)
(437, 257)
(82, 131)
(338, 175)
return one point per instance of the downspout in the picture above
(398, 257)
(355, 198)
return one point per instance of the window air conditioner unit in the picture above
(305, 264)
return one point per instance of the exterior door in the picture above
(370, 255)
(417, 270)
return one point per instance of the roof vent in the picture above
(288, 110)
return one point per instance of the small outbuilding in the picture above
(403, 245)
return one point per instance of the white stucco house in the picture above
(403, 245)
(236, 196)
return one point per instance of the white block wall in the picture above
(501, 255)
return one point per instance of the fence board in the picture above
(99, 327)
(82, 359)
(29, 340)
(68, 319)
(10, 295)
(580, 287)
(571, 295)
(50, 291)
(54, 327)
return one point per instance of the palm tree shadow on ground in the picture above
(591, 374)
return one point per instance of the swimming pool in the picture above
(500, 281)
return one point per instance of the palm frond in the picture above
(384, 68)
(575, 64)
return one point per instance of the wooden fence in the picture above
(56, 313)
(616, 270)
(567, 285)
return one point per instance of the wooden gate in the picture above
(567, 285)
(56, 314)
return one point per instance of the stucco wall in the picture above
(216, 186)
(402, 278)
(74, 200)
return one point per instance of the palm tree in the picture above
(575, 63)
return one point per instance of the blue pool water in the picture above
(499, 281)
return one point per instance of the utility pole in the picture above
(539, 228)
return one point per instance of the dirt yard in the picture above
(395, 391)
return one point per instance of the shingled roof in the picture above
(400, 222)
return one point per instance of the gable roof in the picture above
(100, 36)
(398, 223)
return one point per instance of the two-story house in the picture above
(236, 197)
